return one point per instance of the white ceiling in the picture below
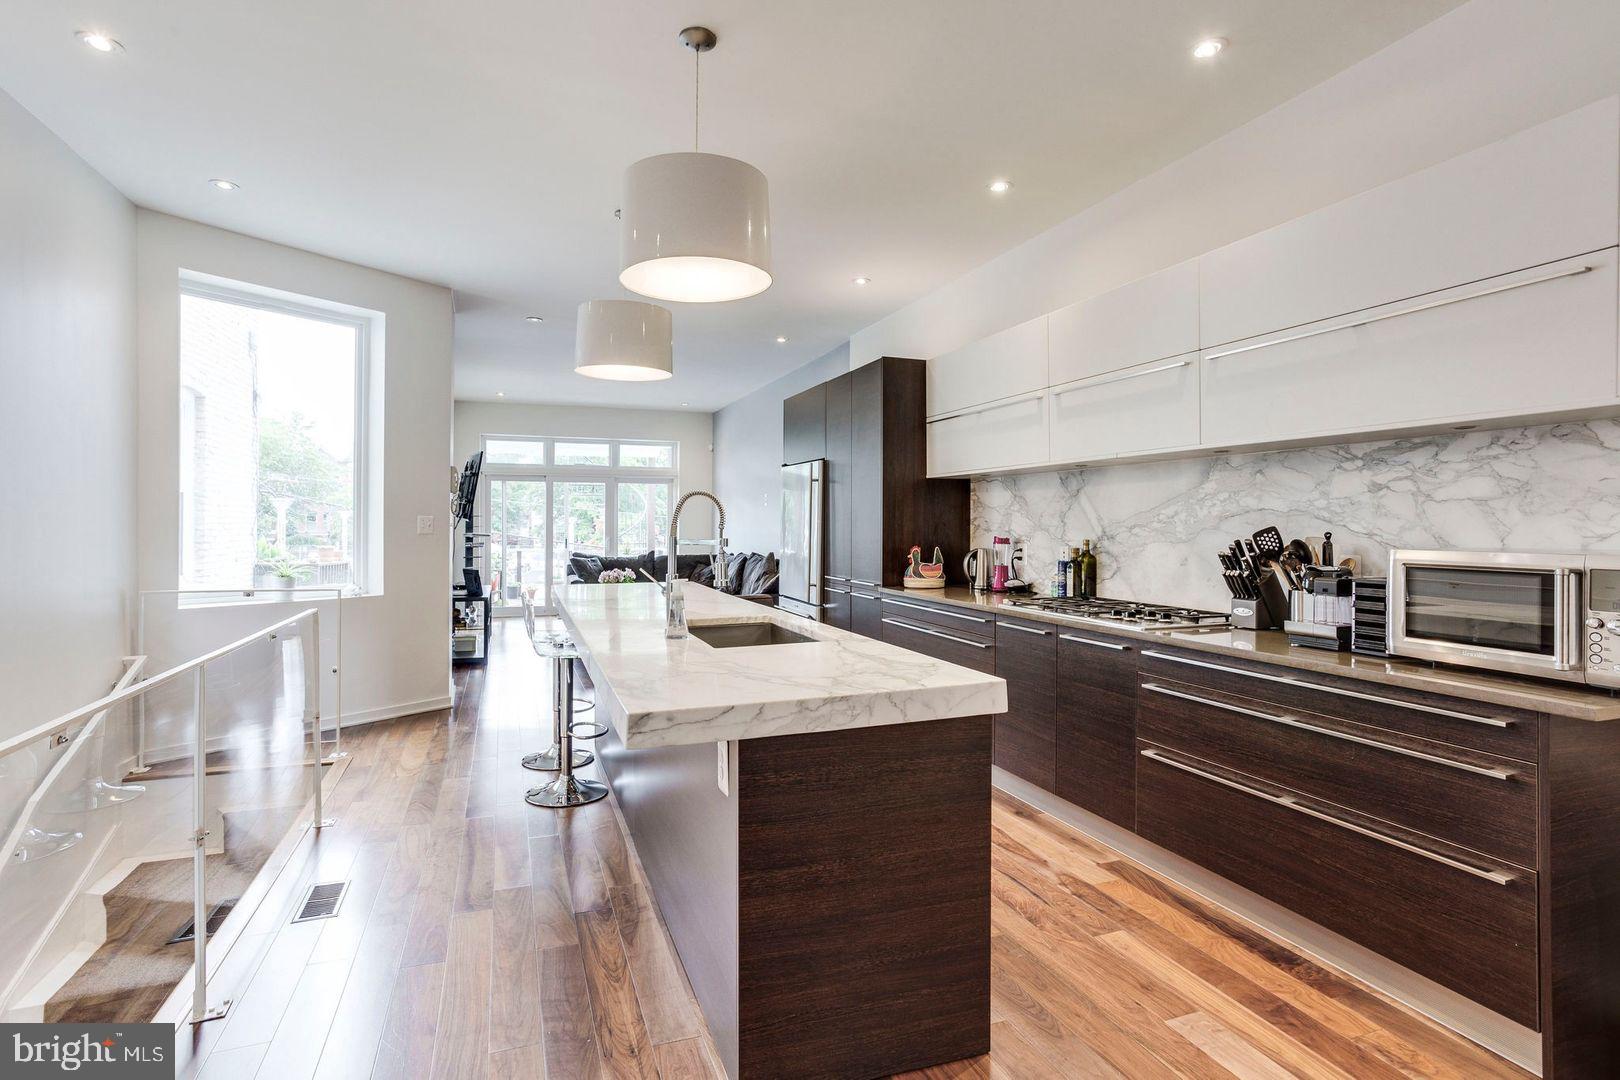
(480, 145)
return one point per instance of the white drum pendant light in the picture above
(625, 340)
(695, 227)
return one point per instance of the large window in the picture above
(272, 439)
(547, 498)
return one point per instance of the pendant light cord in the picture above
(697, 94)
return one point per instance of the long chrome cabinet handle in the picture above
(1414, 309)
(864, 595)
(1316, 729)
(1492, 721)
(938, 633)
(934, 610)
(1023, 629)
(1098, 644)
(1000, 403)
(1288, 802)
(834, 588)
(1090, 381)
(868, 584)
(835, 577)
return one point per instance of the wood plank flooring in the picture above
(487, 939)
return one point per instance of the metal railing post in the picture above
(199, 858)
(338, 753)
(312, 699)
(140, 702)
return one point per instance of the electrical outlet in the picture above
(724, 778)
(424, 524)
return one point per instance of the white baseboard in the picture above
(355, 718)
(1495, 1032)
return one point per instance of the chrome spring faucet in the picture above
(674, 602)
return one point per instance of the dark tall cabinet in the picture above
(869, 425)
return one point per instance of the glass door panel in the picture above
(643, 518)
(578, 524)
(517, 541)
(1498, 609)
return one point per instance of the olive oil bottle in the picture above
(1087, 574)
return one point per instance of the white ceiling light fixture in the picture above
(1209, 48)
(534, 318)
(99, 41)
(780, 340)
(624, 340)
(695, 227)
(224, 184)
(862, 281)
(1000, 186)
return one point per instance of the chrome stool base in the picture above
(546, 761)
(566, 791)
(588, 729)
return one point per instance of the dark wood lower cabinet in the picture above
(835, 609)
(1026, 734)
(865, 612)
(1096, 724)
(953, 648)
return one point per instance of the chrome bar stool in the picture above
(546, 760)
(568, 789)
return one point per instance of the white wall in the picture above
(395, 645)
(67, 425)
(748, 454)
(1483, 71)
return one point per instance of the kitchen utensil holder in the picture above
(1267, 613)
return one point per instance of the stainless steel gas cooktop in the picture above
(1128, 613)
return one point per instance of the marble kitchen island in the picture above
(814, 818)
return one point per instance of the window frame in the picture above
(245, 294)
(609, 476)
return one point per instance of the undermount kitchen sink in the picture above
(739, 634)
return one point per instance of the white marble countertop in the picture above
(659, 692)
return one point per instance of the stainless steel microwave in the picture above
(1556, 616)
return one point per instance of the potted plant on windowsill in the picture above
(279, 571)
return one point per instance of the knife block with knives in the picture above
(1259, 599)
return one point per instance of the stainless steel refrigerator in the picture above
(804, 512)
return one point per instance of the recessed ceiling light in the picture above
(534, 318)
(500, 393)
(1209, 47)
(684, 404)
(863, 281)
(780, 340)
(99, 41)
(223, 184)
(1000, 187)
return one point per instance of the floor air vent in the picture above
(216, 918)
(322, 902)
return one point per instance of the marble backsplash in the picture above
(1157, 525)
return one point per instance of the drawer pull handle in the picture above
(1091, 380)
(1495, 773)
(1024, 629)
(1492, 721)
(1412, 310)
(989, 406)
(1289, 802)
(863, 595)
(834, 588)
(936, 633)
(868, 584)
(835, 577)
(1093, 641)
(933, 610)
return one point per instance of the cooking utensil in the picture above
(1301, 551)
(1269, 542)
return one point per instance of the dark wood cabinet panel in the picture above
(838, 475)
(804, 426)
(1372, 883)
(1492, 729)
(868, 522)
(1096, 723)
(976, 653)
(942, 616)
(1026, 734)
(1466, 798)
(865, 612)
(835, 609)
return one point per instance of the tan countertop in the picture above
(1271, 646)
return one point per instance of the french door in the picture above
(537, 521)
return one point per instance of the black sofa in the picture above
(753, 576)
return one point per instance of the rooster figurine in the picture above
(924, 575)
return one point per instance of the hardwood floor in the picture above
(484, 938)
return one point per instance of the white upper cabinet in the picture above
(1537, 341)
(1002, 365)
(981, 438)
(1150, 319)
(1152, 406)
(1542, 195)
